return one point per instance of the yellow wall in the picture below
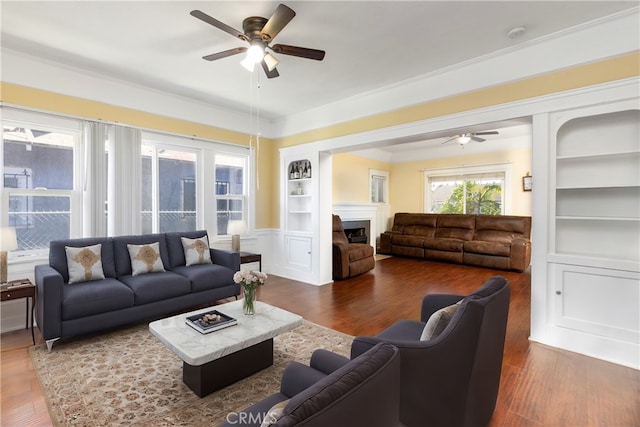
(608, 70)
(351, 177)
(267, 200)
(406, 182)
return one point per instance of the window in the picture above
(39, 182)
(66, 178)
(230, 190)
(470, 190)
(379, 186)
(168, 188)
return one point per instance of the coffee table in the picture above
(215, 360)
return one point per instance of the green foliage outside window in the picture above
(478, 198)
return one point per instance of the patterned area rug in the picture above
(127, 377)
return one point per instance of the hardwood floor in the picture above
(540, 385)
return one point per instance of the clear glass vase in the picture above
(248, 302)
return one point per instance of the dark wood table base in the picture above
(219, 373)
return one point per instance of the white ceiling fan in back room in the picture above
(465, 138)
(259, 33)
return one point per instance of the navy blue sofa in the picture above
(64, 310)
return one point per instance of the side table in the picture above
(22, 288)
(247, 257)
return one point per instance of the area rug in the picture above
(127, 377)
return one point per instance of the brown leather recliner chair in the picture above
(349, 259)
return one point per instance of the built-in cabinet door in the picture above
(298, 249)
(598, 301)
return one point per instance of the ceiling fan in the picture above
(472, 136)
(259, 33)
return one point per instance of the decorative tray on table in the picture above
(210, 321)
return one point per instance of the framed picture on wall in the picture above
(527, 183)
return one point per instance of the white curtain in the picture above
(94, 184)
(125, 166)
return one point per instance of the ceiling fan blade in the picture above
(301, 52)
(476, 139)
(280, 18)
(270, 74)
(224, 53)
(491, 132)
(220, 25)
(451, 139)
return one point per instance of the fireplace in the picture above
(357, 231)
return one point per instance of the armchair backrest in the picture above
(363, 392)
(452, 379)
(482, 390)
(338, 234)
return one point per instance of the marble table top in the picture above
(197, 349)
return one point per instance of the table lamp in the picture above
(8, 242)
(235, 228)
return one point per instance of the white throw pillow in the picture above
(196, 251)
(439, 321)
(145, 258)
(274, 414)
(85, 263)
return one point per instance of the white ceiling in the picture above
(369, 44)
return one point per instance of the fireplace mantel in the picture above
(376, 214)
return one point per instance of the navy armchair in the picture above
(332, 391)
(451, 378)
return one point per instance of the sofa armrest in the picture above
(385, 243)
(340, 260)
(226, 258)
(49, 285)
(327, 361)
(298, 377)
(433, 303)
(520, 253)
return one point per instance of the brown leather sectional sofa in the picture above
(493, 241)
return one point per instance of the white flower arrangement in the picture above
(249, 279)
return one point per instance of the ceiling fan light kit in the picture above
(259, 32)
(465, 138)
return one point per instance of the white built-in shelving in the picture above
(597, 188)
(594, 252)
(299, 195)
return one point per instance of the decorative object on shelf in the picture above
(249, 280)
(527, 182)
(236, 228)
(8, 242)
(300, 169)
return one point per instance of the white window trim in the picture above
(385, 175)
(246, 198)
(207, 150)
(43, 121)
(205, 155)
(469, 170)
